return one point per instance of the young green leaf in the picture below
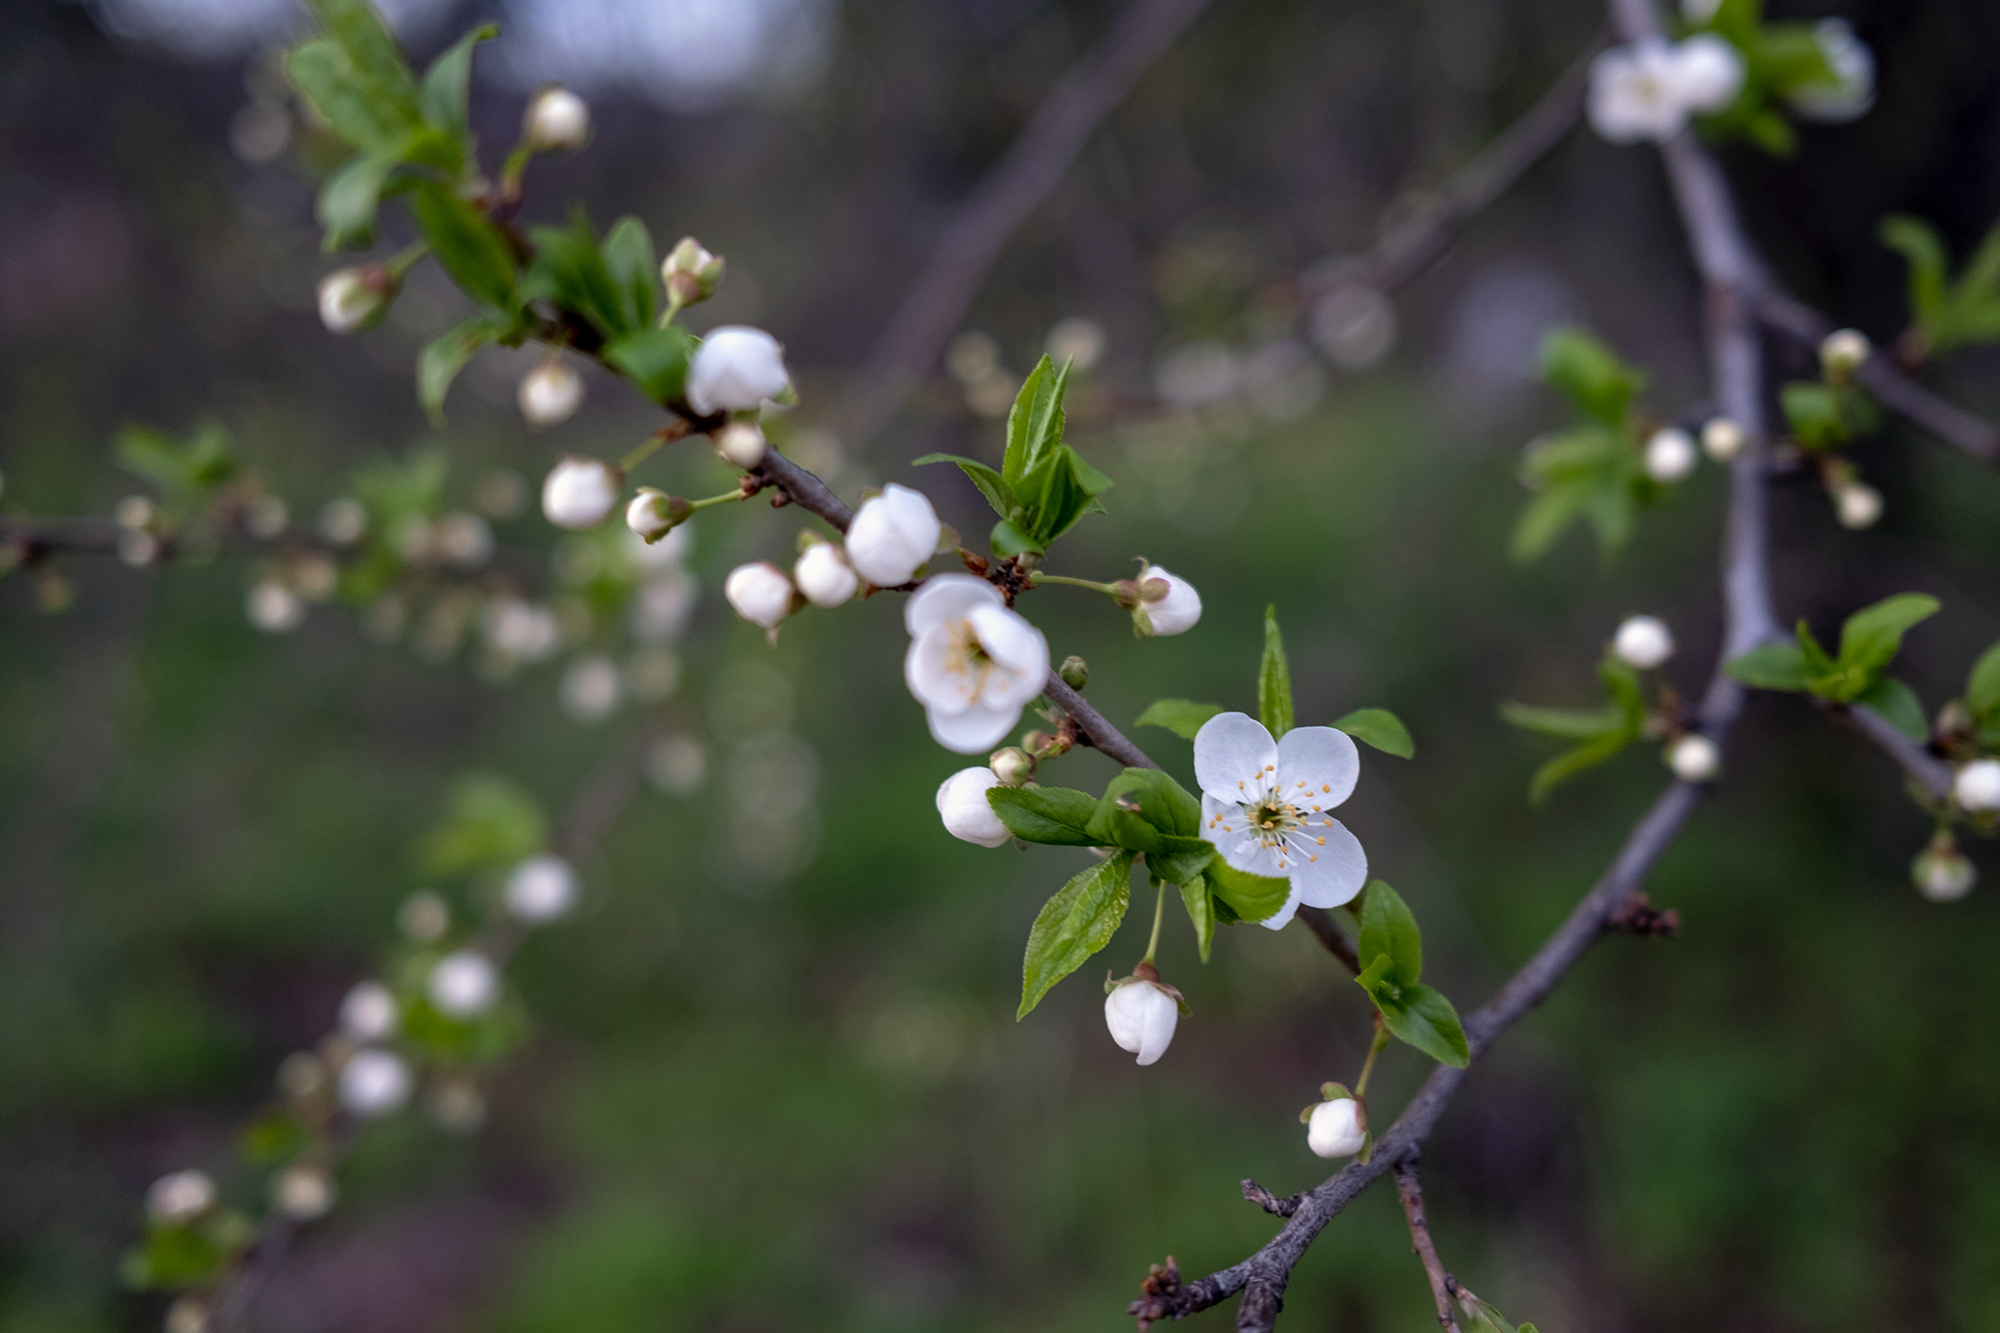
(465, 241)
(1248, 897)
(1380, 728)
(1052, 816)
(1899, 706)
(1183, 717)
(445, 355)
(1389, 931)
(991, 484)
(184, 470)
(1572, 762)
(1590, 472)
(1574, 724)
(491, 823)
(569, 261)
(1428, 1022)
(1982, 688)
(448, 83)
(349, 198)
(1274, 679)
(1196, 897)
(654, 359)
(1035, 425)
(376, 60)
(1078, 921)
(1871, 636)
(628, 255)
(1590, 375)
(1775, 666)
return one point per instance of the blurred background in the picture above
(771, 1078)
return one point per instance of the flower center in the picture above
(968, 656)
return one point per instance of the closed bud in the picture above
(690, 273)
(540, 889)
(967, 814)
(825, 577)
(188, 1314)
(1722, 439)
(736, 369)
(423, 916)
(1857, 505)
(1162, 610)
(1142, 1015)
(368, 1013)
(178, 1199)
(302, 1191)
(1337, 1128)
(1943, 873)
(1643, 642)
(1670, 455)
(1842, 352)
(352, 299)
(893, 536)
(550, 393)
(741, 444)
(1694, 758)
(760, 593)
(1012, 766)
(464, 984)
(1075, 672)
(653, 513)
(580, 493)
(1977, 786)
(557, 119)
(374, 1082)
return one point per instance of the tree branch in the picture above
(1412, 1195)
(1103, 737)
(1328, 932)
(1931, 772)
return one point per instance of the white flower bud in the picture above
(274, 608)
(1853, 89)
(1142, 1016)
(1012, 766)
(369, 1012)
(1694, 758)
(342, 521)
(541, 888)
(352, 299)
(1670, 455)
(1842, 352)
(760, 593)
(967, 815)
(374, 1082)
(690, 272)
(550, 393)
(651, 513)
(1708, 71)
(735, 369)
(1943, 873)
(580, 493)
(178, 1199)
(893, 536)
(1335, 1129)
(1722, 439)
(825, 577)
(1857, 505)
(1977, 786)
(741, 444)
(464, 984)
(1643, 642)
(556, 119)
(188, 1314)
(1175, 613)
(303, 1192)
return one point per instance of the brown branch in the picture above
(1412, 1195)
(1270, 1202)
(1637, 916)
(1098, 733)
(972, 239)
(1321, 923)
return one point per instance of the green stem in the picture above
(642, 453)
(723, 499)
(1159, 914)
(401, 263)
(1106, 588)
(510, 174)
(1374, 1049)
(673, 307)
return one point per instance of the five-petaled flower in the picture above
(1264, 805)
(973, 663)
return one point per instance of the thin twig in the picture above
(981, 225)
(1104, 737)
(1270, 1202)
(1412, 1195)
(1328, 932)
(1931, 772)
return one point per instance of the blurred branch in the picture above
(977, 229)
(1930, 772)
(1412, 1195)
(1324, 928)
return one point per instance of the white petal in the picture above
(1324, 759)
(1340, 870)
(947, 597)
(1231, 752)
(976, 728)
(927, 670)
(1281, 918)
(1019, 652)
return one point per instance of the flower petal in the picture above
(1020, 655)
(1324, 760)
(947, 597)
(1329, 874)
(1231, 752)
(976, 728)
(927, 670)
(1281, 918)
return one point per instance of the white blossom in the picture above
(1977, 786)
(967, 815)
(374, 1082)
(893, 536)
(735, 369)
(1857, 505)
(1943, 874)
(1670, 455)
(1647, 90)
(1709, 72)
(1694, 758)
(580, 493)
(274, 608)
(1722, 439)
(741, 444)
(188, 1314)
(1853, 91)
(541, 888)
(1842, 352)
(1643, 642)
(303, 1192)
(464, 984)
(1335, 1129)
(180, 1198)
(520, 630)
(760, 593)
(973, 663)
(550, 393)
(1176, 613)
(590, 688)
(556, 119)
(825, 577)
(352, 299)
(368, 1012)
(1142, 1016)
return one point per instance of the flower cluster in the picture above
(1649, 89)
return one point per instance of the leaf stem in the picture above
(1159, 914)
(1374, 1049)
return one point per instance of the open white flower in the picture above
(973, 663)
(1634, 93)
(180, 1198)
(1264, 805)
(967, 815)
(736, 368)
(892, 536)
(374, 1082)
(464, 984)
(1176, 613)
(541, 888)
(1336, 1128)
(1142, 1016)
(1709, 72)
(368, 1013)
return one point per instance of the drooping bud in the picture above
(368, 1013)
(464, 984)
(1012, 766)
(1670, 455)
(1942, 872)
(178, 1199)
(540, 889)
(741, 444)
(1158, 612)
(1857, 505)
(352, 299)
(1142, 1015)
(1694, 758)
(580, 493)
(967, 815)
(374, 1082)
(736, 369)
(760, 593)
(1842, 352)
(1722, 439)
(556, 120)
(893, 536)
(1337, 1128)
(1643, 642)
(653, 513)
(1075, 672)
(690, 273)
(825, 577)
(550, 393)
(1977, 786)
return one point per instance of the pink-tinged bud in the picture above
(1173, 611)
(352, 299)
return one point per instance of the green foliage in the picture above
(1982, 687)
(275, 1136)
(1043, 487)
(1380, 728)
(1778, 59)
(1197, 897)
(447, 354)
(1052, 816)
(447, 85)
(1248, 897)
(1869, 641)
(1183, 717)
(491, 824)
(1274, 679)
(1078, 921)
(1593, 470)
(654, 359)
(1590, 375)
(1601, 732)
(173, 1258)
(1823, 416)
(1947, 314)
(474, 251)
(1392, 964)
(186, 471)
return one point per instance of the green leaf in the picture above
(1183, 717)
(1389, 931)
(185, 471)
(1428, 1022)
(654, 359)
(990, 483)
(1035, 424)
(1572, 762)
(325, 75)
(628, 255)
(1380, 728)
(1982, 688)
(1274, 680)
(1870, 638)
(1899, 706)
(1008, 539)
(472, 250)
(1145, 810)
(491, 824)
(1590, 472)
(371, 49)
(1621, 681)
(1052, 816)
(1775, 666)
(445, 355)
(1195, 896)
(1248, 897)
(1813, 411)
(1576, 724)
(275, 1136)
(569, 261)
(1590, 375)
(349, 198)
(1078, 921)
(448, 83)
(1182, 867)
(1924, 249)
(1058, 493)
